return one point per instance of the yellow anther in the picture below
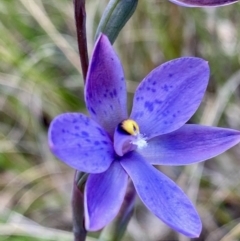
(129, 127)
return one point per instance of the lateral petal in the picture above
(189, 144)
(80, 142)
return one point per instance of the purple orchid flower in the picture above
(203, 3)
(110, 146)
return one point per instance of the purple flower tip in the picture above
(203, 3)
(112, 146)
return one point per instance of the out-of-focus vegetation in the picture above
(40, 77)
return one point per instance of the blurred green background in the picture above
(40, 77)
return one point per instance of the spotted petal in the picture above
(189, 144)
(105, 89)
(203, 3)
(162, 196)
(104, 196)
(167, 98)
(80, 142)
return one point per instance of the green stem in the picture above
(81, 180)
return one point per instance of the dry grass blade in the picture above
(38, 13)
(33, 231)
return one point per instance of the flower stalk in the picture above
(80, 20)
(79, 230)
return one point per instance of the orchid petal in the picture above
(168, 97)
(105, 90)
(189, 144)
(104, 195)
(162, 196)
(80, 142)
(203, 3)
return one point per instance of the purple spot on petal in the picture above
(154, 83)
(149, 106)
(101, 131)
(115, 92)
(158, 102)
(85, 134)
(105, 142)
(74, 120)
(96, 143)
(86, 121)
(165, 87)
(93, 111)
